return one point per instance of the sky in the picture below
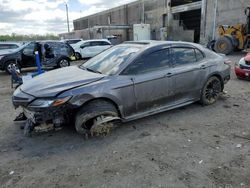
(47, 16)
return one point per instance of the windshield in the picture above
(109, 61)
(21, 47)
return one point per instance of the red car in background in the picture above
(242, 69)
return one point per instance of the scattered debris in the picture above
(114, 152)
(11, 172)
(238, 145)
(20, 117)
(208, 125)
(183, 129)
(144, 134)
(242, 184)
(200, 162)
(189, 140)
(236, 105)
(226, 106)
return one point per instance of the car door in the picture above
(85, 50)
(28, 55)
(188, 73)
(153, 85)
(97, 47)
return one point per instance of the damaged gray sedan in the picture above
(126, 82)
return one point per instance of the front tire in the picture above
(78, 56)
(211, 91)
(89, 114)
(10, 65)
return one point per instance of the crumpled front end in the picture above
(42, 110)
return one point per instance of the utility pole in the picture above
(67, 12)
(143, 12)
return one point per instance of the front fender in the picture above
(80, 100)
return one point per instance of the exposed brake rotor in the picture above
(103, 125)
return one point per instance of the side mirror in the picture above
(82, 47)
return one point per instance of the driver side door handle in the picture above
(203, 67)
(170, 74)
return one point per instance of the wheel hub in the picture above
(64, 63)
(102, 125)
(212, 91)
(12, 66)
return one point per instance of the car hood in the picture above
(55, 82)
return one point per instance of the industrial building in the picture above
(187, 20)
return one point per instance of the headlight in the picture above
(242, 61)
(43, 103)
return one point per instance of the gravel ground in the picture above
(189, 147)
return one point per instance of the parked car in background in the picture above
(71, 41)
(90, 48)
(9, 45)
(242, 68)
(60, 55)
(126, 82)
(6, 47)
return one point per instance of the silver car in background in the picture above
(126, 82)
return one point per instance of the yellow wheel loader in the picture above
(233, 38)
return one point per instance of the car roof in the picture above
(94, 40)
(70, 39)
(154, 43)
(17, 43)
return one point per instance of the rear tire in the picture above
(89, 112)
(211, 91)
(224, 45)
(63, 63)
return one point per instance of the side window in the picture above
(87, 44)
(29, 49)
(199, 55)
(103, 43)
(183, 56)
(152, 62)
(66, 50)
(96, 43)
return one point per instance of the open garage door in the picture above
(187, 19)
